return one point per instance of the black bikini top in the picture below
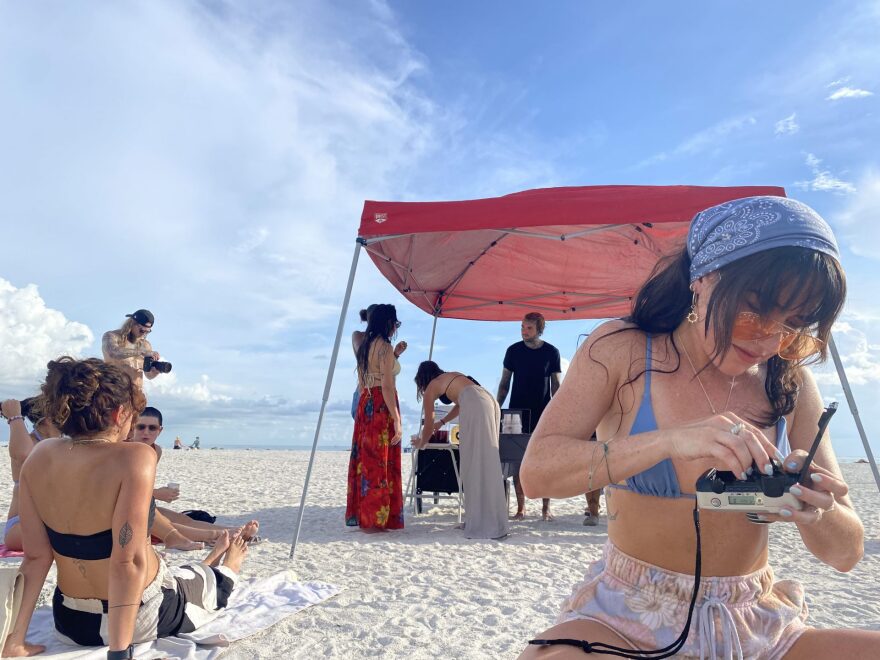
(91, 546)
(445, 399)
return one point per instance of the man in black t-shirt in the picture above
(535, 367)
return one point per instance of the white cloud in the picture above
(861, 217)
(848, 93)
(838, 82)
(787, 126)
(31, 334)
(824, 180)
(859, 355)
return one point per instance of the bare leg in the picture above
(12, 540)
(177, 518)
(174, 540)
(545, 510)
(520, 499)
(220, 546)
(249, 530)
(592, 631)
(839, 643)
(235, 553)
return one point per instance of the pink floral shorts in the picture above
(745, 616)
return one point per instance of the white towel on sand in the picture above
(253, 606)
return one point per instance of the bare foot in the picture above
(177, 541)
(221, 543)
(249, 530)
(520, 515)
(547, 516)
(235, 553)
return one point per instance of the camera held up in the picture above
(161, 367)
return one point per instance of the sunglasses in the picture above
(145, 328)
(144, 427)
(793, 344)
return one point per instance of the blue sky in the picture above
(209, 161)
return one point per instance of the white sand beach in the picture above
(427, 592)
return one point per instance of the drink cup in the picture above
(173, 485)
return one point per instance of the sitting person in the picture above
(20, 445)
(196, 443)
(485, 504)
(177, 530)
(86, 503)
(177, 443)
(707, 371)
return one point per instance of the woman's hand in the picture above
(818, 498)
(166, 494)
(10, 408)
(13, 649)
(399, 348)
(398, 434)
(730, 442)
(438, 425)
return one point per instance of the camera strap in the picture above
(656, 654)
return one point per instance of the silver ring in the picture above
(737, 428)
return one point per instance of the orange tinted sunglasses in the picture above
(793, 344)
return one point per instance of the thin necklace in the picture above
(702, 387)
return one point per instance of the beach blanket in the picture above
(6, 552)
(254, 606)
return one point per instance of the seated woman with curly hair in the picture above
(86, 503)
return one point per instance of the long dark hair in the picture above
(427, 372)
(777, 278)
(382, 324)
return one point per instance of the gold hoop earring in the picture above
(692, 316)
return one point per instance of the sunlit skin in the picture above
(659, 531)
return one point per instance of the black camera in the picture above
(161, 367)
(760, 493)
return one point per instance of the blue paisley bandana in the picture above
(730, 231)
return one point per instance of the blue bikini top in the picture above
(660, 480)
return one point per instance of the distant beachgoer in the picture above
(485, 503)
(356, 338)
(707, 371)
(375, 494)
(112, 588)
(177, 443)
(21, 443)
(195, 444)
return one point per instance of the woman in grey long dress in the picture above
(485, 504)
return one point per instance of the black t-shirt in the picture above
(531, 368)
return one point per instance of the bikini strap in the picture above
(647, 365)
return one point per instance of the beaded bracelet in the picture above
(13, 418)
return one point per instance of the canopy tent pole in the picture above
(327, 384)
(433, 333)
(844, 381)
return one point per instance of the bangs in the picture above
(807, 284)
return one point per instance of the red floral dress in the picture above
(375, 494)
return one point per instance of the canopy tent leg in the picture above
(852, 407)
(327, 384)
(433, 334)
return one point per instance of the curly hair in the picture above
(80, 396)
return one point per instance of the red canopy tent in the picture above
(569, 253)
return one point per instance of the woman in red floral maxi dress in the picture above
(375, 493)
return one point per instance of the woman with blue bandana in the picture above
(708, 371)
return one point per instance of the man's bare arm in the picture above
(504, 386)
